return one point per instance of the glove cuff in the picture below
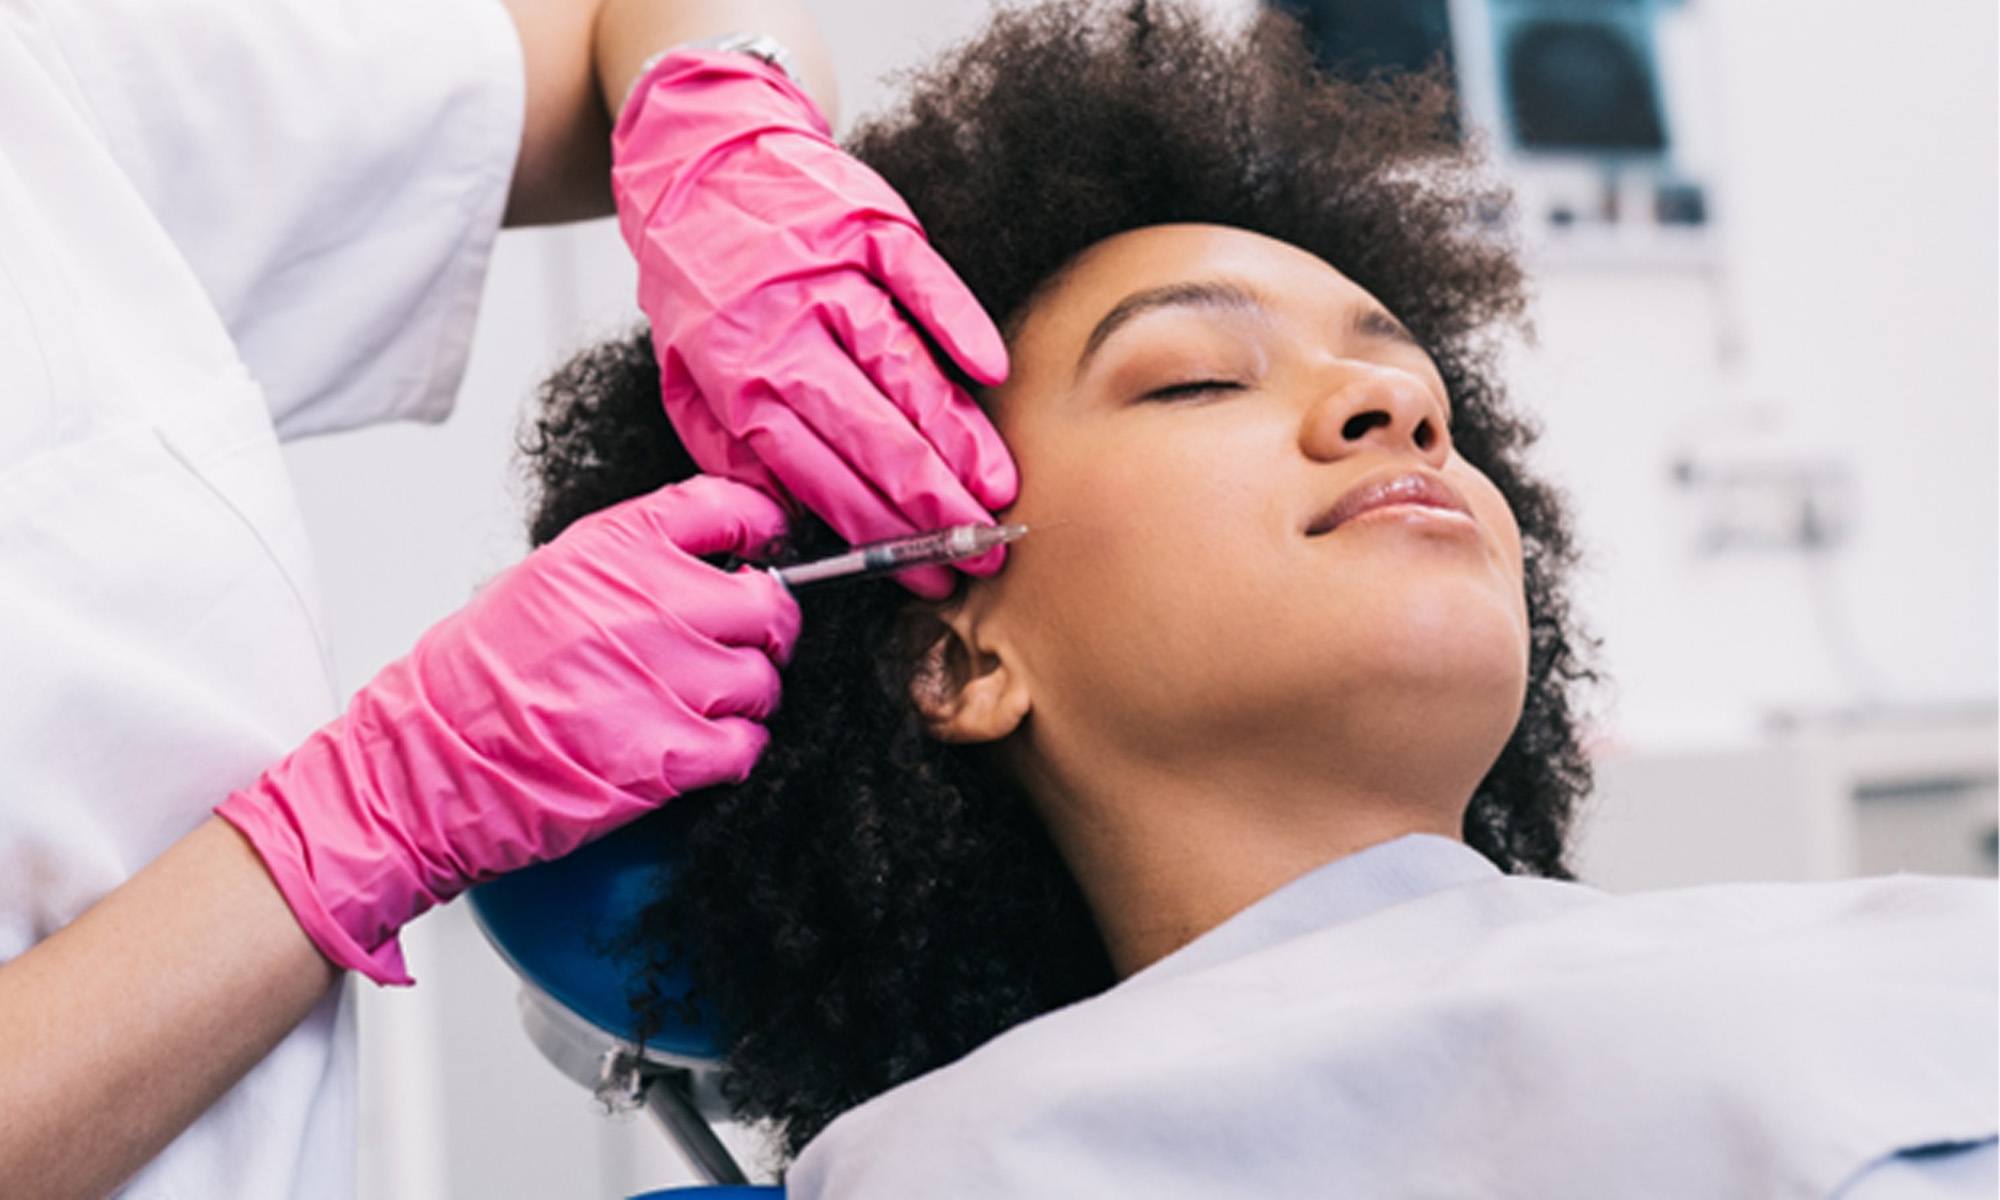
(757, 45)
(690, 112)
(764, 91)
(325, 892)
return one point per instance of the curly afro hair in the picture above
(871, 904)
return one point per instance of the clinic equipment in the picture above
(900, 554)
(559, 925)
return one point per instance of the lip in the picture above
(1392, 487)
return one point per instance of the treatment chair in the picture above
(554, 924)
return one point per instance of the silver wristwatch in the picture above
(757, 45)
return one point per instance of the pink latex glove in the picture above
(605, 673)
(772, 264)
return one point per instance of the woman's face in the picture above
(1187, 404)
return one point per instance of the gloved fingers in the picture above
(767, 620)
(709, 515)
(823, 481)
(925, 284)
(711, 753)
(888, 350)
(741, 681)
(862, 447)
(985, 564)
(643, 555)
(819, 477)
(713, 448)
(931, 583)
(747, 607)
(707, 679)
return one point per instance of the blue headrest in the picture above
(557, 923)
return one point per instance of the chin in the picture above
(1458, 662)
(1442, 629)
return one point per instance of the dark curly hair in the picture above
(872, 904)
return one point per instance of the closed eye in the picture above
(1196, 387)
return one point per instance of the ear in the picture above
(967, 688)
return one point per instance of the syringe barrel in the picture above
(922, 550)
(901, 554)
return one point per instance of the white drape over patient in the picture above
(1408, 1021)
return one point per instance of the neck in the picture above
(1164, 855)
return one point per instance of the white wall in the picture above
(1859, 205)
(1858, 214)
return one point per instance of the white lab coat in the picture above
(216, 217)
(1410, 1022)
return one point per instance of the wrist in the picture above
(760, 46)
(628, 31)
(763, 49)
(279, 843)
(349, 887)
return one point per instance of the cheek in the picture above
(1144, 555)
(1494, 513)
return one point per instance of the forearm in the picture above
(582, 56)
(123, 1027)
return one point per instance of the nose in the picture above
(1365, 406)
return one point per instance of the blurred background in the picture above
(1763, 242)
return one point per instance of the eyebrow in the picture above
(1368, 321)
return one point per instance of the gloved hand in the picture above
(608, 671)
(771, 264)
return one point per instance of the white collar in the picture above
(1388, 873)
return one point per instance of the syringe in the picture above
(900, 554)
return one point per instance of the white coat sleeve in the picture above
(334, 170)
